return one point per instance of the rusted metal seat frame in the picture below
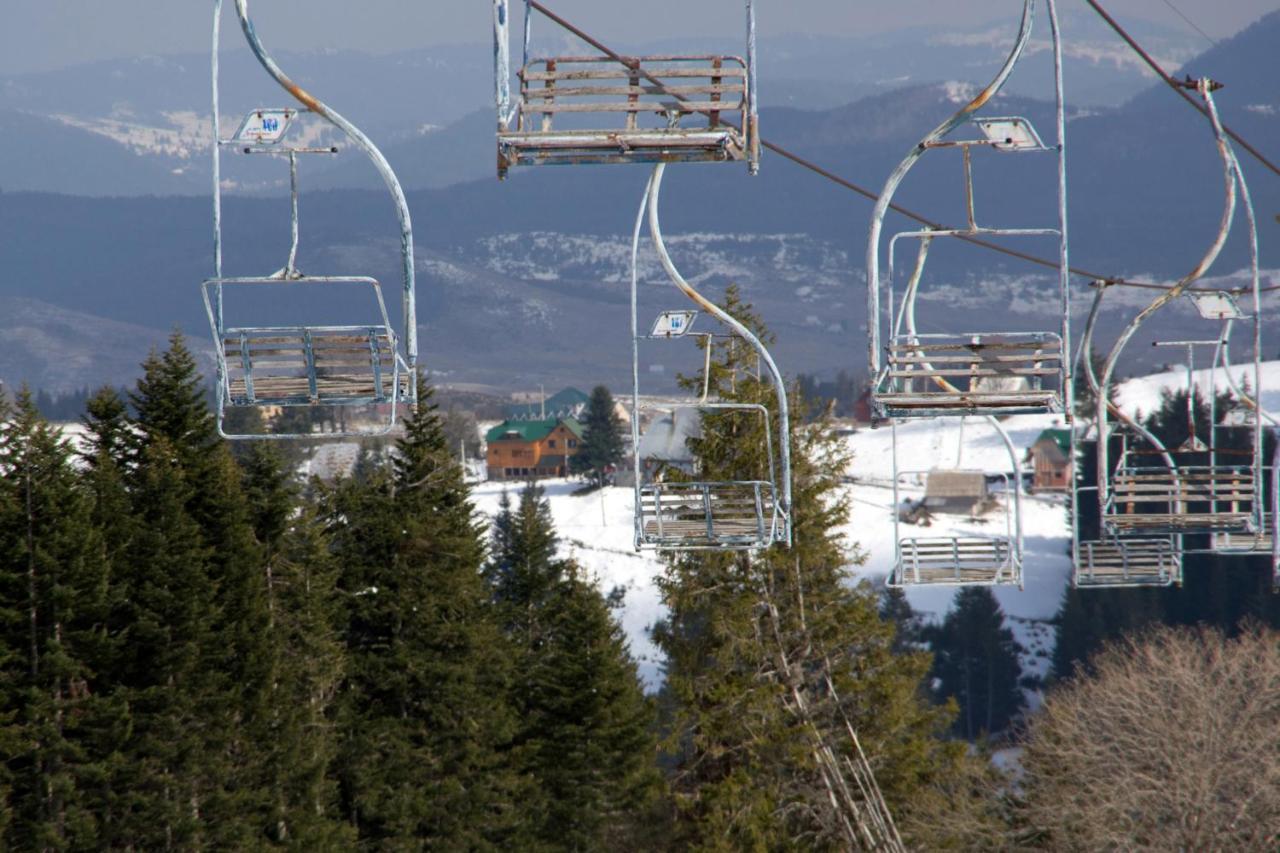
(322, 358)
(897, 323)
(672, 87)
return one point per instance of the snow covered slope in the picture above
(596, 530)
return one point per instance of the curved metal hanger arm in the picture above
(375, 155)
(899, 174)
(1205, 87)
(775, 375)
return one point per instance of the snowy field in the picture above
(596, 529)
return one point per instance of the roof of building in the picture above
(565, 402)
(521, 430)
(1060, 437)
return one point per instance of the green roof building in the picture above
(532, 449)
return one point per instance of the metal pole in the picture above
(502, 61)
(380, 163)
(217, 164)
(635, 362)
(752, 130)
(291, 268)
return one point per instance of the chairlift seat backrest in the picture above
(1134, 562)
(1190, 499)
(954, 561)
(999, 374)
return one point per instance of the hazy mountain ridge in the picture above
(156, 107)
(539, 263)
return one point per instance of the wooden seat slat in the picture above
(706, 72)
(640, 91)
(982, 373)
(1048, 347)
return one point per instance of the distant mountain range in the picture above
(141, 126)
(525, 281)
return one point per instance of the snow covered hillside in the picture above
(596, 530)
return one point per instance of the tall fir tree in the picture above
(426, 724)
(602, 445)
(197, 595)
(585, 738)
(975, 662)
(62, 718)
(307, 656)
(773, 657)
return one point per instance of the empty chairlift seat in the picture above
(701, 516)
(678, 510)
(991, 374)
(1127, 563)
(307, 365)
(594, 109)
(1183, 500)
(954, 561)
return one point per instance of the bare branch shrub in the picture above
(1172, 743)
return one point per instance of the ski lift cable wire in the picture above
(1177, 86)
(823, 172)
(1189, 22)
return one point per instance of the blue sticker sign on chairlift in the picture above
(1010, 134)
(673, 324)
(1216, 305)
(265, 127)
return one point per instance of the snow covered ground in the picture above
(597, 529)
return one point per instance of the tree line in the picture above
(199, 651)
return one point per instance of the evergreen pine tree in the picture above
(976, 663)
(585, 737)
(752, 640)
(307, 657)
(62, 719)
(602, 437)
(425, 719)
(196, 583)
(895, 608)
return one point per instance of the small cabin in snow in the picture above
(1050, 459)
(954, 491)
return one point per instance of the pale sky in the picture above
(46, 34)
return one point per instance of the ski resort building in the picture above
(531, 450)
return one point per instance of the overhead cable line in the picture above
(1176, 85)
(821, 171)
(1190, 22)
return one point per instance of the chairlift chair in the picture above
(1197, 488)
(685, 512)
(961, 559)
(969, 373)
(606, 108)
(343, 365)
